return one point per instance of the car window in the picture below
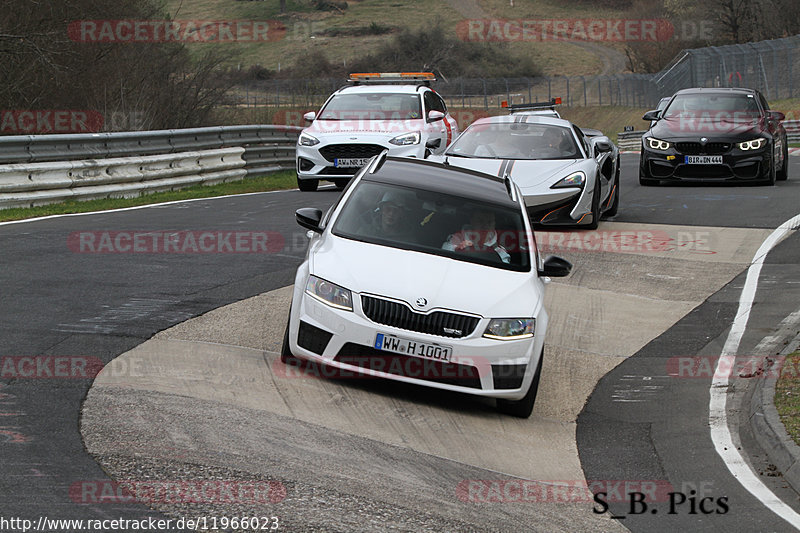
(433, 102)
(436, 223)
(516, 141)
(582, 138)
(372, 106)
(712, 104)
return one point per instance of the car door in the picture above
(604, 163)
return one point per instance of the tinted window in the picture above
(436, 223)
(699, 104)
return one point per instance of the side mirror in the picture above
(434, 115)
(433, 144)
(776, 115)
(310, 116)
(652, 116)
(602, 145)
(309, 218)
(555, 267)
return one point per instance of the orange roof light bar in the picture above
(391, 76)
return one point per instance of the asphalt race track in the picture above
(197, 391)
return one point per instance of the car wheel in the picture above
(611, 211)
(645, 180)
(307, 185)
(523, 407)
(341, 183)
(783, 173)
(287, 357)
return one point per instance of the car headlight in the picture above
(508, 329)
(657, 144)
(755, 144)
(329, 293)
(307, 140)
(406, 139)
(576, 179)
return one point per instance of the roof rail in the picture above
(378, 162)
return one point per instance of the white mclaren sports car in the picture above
(568, 177)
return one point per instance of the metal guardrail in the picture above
(29, 184)
(632, 140)
(267, 147)
(40, 169)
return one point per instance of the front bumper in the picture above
(345, 340)
(560, 207)
(736, 165)
(320, 161)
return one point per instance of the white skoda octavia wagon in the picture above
(428, 274)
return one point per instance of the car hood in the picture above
(445, 283)
(390, 128)
(716, 130)
(526, 173)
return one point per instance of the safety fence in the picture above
(773, 67)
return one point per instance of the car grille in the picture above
(401, 316)
(333, 151)
(695, 148)
(408, 366)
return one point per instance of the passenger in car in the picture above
(479, 236)
(390, 218)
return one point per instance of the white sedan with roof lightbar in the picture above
(425, 274)
(398, 112)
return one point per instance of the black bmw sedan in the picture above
(714, 134)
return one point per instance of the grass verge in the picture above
(285, 179)
(787, 396)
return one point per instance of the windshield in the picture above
(516, 141)
(436, 223)
(372, 106)
(719, 106)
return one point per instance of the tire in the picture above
(287, 357)
(595, 207)
(611, 211)
(341, 183)
(783, 173)
(307, 185)
(523, 407)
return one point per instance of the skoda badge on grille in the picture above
(421, 302)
